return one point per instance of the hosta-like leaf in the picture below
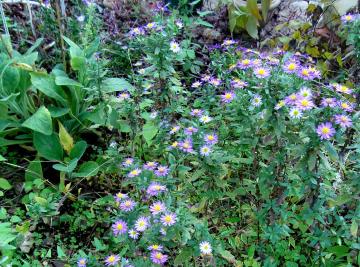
(40, 121)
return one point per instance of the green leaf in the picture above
(251, 27)
(60, 252)
(354, 228)
(253, 9)
(149, 132)
(265, 6)
(331, 151)
(66, 140)
(183, 256)
(40, 121)
(33, 175)
(87, 169)
(2, 158)
(48, 146)
(69, 168)
(4, 184)
(116, 84)
(339, 251)
(66, 81)
(78, 150)
(45, 83)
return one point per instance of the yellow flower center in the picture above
(211, 137)
(228, 96)
(174, 144)
(111, 258)
(348, 18)
(82, 261)
(246, 62)
(344, 105)
(158, 256)
(186, 145)
(141, 223)
(157, 187)
(155, 247)
(134, 172)
(168, 218)
(291, 66)
(261, 72)
(296, 112)
(305, 72)
(325, 130)
(119, 226)
(305, 103)
(157, 207)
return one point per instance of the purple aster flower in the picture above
(158, 258)
(211, 139)
(120, 196)
(304, 104)
(190, 130)
(186, 146)
(291, 99)
(134, 173)
(119, 227)
(316, 74)
(215, 81)
(228, 42)
(196, 112)
(162, 171)
(162, 231)
(150, 25)
(343, 120)
(157, 208)
(81, 262)
(346, 106)
(328, 102)
(245, 63)
(238, 84)
(142, 224)
(325, 130)
(256, 63)
(168, 219)
(305, 73)
(173, 145)
(123, 96)
(133, 234)
(342, 89)
(205, 151)
(127, 205)
(150, 165)
(174, 129)
(291, 67)
(155, 247)
(128, 162)
(347, 18)
(227, 97)
(273, 61)
(262, 72)
(137, 31)
(155, 188)
(112, 260)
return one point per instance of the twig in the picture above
(23, 2)
(4, 20)
(31, 19)
(58, 20)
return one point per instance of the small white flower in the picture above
(205, 248)
(153, 115)
(174, 46)
(295, 113)
(205, 119)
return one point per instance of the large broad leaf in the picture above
(40, 121)
(265, 6)
(48, 146)
(63, 80)
(78, 150)
(87, 169)
(46, 84)
(251, 27)
(10, 80)
(149, 132)
(116, 84)
(253, 8)
(66, 140)
(33, 175)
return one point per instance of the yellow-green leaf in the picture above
(253, 8)
(67, 142)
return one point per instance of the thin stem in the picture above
(4, 20)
